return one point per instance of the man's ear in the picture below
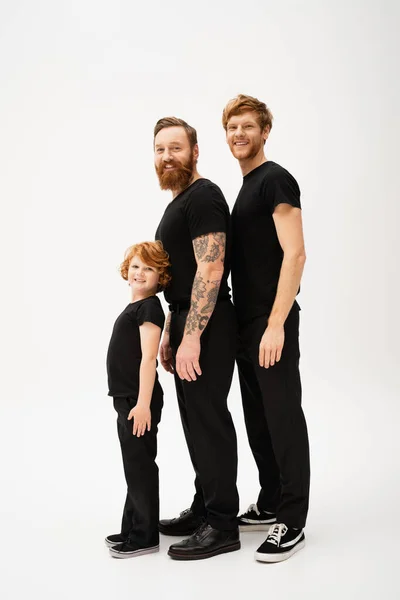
(196, 151)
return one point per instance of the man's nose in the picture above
(167, 155)
(239, 131)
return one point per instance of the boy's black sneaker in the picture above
(127, 550)
(256, 520)
(114, 539)
(280, 544)
(186, 524)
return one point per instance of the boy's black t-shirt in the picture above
(124, 351)
(199, 210)
(256, 251)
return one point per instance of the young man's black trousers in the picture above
(141, 511)
(275, 422)
(207, 423)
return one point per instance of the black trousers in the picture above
(141, 511)
(275, 422)
(207, 423)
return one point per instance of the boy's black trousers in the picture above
(275, 422)
(207, 423)
(141, 511)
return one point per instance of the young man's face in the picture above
(141, 277)
(174, 159)
(244, 135)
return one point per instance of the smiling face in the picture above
(174, 159)
(245, 137)
(142, 278)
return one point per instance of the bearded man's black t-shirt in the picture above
(125, 352)
(199, 210)
(256, 252)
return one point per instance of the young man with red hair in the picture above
(267, 263)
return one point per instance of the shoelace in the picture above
(253, 508)
(275, 533)
(182, 514)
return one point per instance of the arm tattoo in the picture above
(200, 246)
(209, 249)
(215, 253)
(199, 286)
(211, 297)
(168, 324)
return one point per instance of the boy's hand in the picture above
(141, 416)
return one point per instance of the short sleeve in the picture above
(150, 311)
(283, 189)
(206, 211)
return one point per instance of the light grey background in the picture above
(82, 83)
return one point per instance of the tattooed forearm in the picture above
(168, 324)
(211, 297)
(199, 286)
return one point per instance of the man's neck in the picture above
(194, 178)
(249, 164)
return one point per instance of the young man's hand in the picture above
(141, 416)
(271, 346)
(166, 355)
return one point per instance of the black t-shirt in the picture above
(256, 252)
(124, 351)
(199, 210)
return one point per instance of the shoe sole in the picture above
(273, 558)
(223, 550)
(110, 544)
(256, 527)
(177, 534)
(141, 552)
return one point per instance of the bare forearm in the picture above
(205, 290)
(288, 285)
(147, 377)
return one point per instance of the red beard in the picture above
(178, 179)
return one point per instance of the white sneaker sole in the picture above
(110, 544)
(273, 558)
(140, 552)
(256, 526)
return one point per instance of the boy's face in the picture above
(244, 135)
(141, 277)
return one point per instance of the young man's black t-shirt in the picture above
(256, 251)
(199, 210)
(124, 351)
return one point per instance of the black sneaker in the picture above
(186, 524)
(127, 550)
(280, 544)
(256, 520)
(114, 539)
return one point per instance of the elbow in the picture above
(297, 257)
(212, 272)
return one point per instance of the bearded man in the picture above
(199, 342)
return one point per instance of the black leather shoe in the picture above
(186, 524)
(204, 543)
